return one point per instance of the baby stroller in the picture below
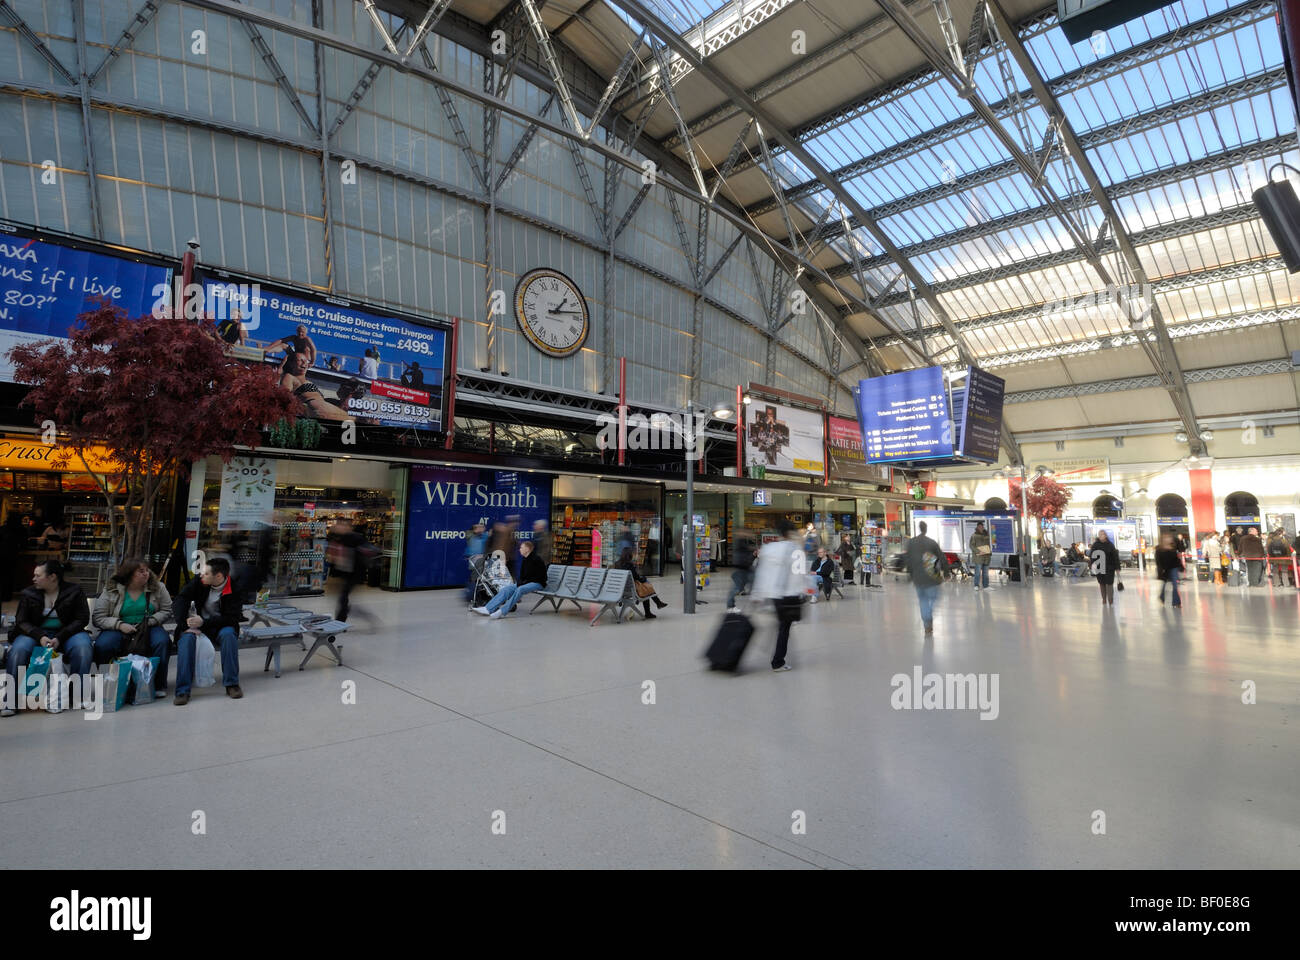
(957, 569)
(486, 577)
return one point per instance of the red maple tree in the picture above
(156, 393)
(1045, 498)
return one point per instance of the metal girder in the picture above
(359, 90)
(327, 205)
(778, 188)
(631, 210)
(1232, 271)
(584, 177)
(683, 240)
(1258, 368)
(1225, 159)
(1164, 356)
(722, 259)
(525, 139)
(1093, 343)
(730, 89)
(273, 64)
(1221, 95)
(87, 141)
(442, 84)
(676, 109)
(142, 18)
(803, 68)
(36, 43)
(732, 156)
(1165, 231)
(552, 64)
(1177, 39)
(615, 84)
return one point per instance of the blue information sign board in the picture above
(905, 416)
(981, 415)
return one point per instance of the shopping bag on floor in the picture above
(38, 668)
(205, 661)
(56, 687)
(143, 671)
(117, 680)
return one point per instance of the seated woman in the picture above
(532, 577)
(130, 614)
(824, 572)
(625, 562)
(53, 613)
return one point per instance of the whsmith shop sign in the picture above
(444, 502)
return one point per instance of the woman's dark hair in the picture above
(784, 527)
(56, 568)
(127, 570)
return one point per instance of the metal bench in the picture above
(554, 580)
(617, 594)
(593, 578)
(569, 586)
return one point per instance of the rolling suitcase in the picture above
(730, 641)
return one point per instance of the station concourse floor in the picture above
(459, 720)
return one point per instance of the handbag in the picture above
(984, 550)
(38, 668)
(143, 671)
(643, 589)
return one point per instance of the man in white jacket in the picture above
(782, 577)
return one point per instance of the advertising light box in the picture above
(784, 439)
(905, 416)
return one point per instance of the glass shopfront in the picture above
(592, 520)
(273, 515)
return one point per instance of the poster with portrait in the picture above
(784, 439)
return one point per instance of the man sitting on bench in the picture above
(220, 608)
(532, 576)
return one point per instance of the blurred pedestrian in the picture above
(742, 559)
(847, 554)
(1252, 551)
(1105, 563)
(1213, 553)
(781, 576)
(349, 556)
(1169, 566)
(542, 541)
(928, 566)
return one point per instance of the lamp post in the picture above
(693, 434)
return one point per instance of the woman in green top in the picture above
(130, 614)
(981, 552)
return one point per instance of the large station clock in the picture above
(551, 312)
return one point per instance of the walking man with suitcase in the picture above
(781, 577)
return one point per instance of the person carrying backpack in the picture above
(928, 566)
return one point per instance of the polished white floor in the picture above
(538, 723)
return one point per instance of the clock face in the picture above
(551, 312)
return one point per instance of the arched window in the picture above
(1241, 509)
(995, 504)
(1171, 511)
(1107, 507)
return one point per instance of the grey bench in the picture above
(593, 578)
(617, 594)
(554, 581)
(570, 583)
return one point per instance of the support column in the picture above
(87, 138)
(1202, 502)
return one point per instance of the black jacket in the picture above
(532, 569)
(630, 564)
(825, 569)
(1167, 560)
(847, 555)
(70, 606)
(742, 557)
(230, 613)
(1110, 560)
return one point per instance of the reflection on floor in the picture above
(530, 741)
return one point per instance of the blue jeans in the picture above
(926, 595)
(1173, 579)
(508, 596)
(740, 580)
(227, 639)
(981, 571)
(77, 653)
(110, 644)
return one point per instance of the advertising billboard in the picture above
(904, 416)
(783, 439)
(846, 456)
(44, 286)
(444, 502)
(343, 362)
